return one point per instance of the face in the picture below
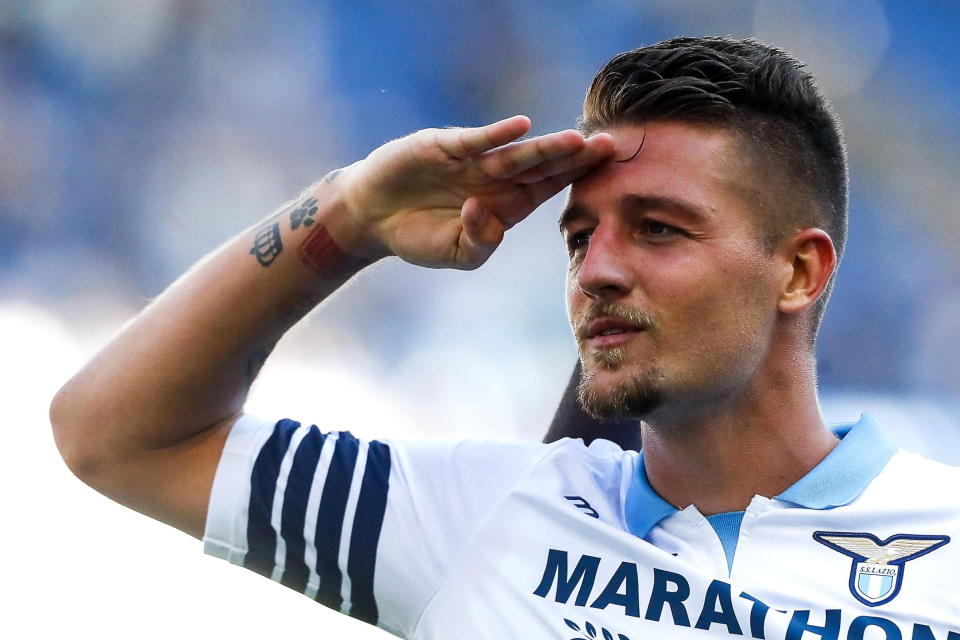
(671, 294)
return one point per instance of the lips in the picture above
(607, 332)
(613, 340)
(607, 327)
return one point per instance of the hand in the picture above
(445, 197)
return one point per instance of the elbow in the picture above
(73, 437)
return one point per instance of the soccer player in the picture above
(704, 224)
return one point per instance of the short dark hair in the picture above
(757, 92)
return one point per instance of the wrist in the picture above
(336, 226)
(329, 239)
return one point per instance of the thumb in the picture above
(482, 234)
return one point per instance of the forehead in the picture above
(696, 166)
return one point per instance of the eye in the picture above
(578, 240)
(659, 229)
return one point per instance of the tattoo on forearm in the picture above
(267, 244)
(321, 253)
(303, 215)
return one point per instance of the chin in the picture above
(604, 395)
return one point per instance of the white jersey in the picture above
(494, 540)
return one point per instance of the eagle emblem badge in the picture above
(876, 572)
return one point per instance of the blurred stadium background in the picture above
(137, 135)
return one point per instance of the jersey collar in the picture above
(862, 452)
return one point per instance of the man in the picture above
(707, 213)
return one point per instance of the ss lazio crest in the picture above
(877, 569)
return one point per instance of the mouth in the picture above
(606, 333)
(608, 341)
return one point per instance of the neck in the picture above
(759, 441)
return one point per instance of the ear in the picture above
(809, 261)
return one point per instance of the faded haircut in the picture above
(761, 95)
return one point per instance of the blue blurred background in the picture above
(137, 135)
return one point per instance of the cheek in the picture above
(679, 284)
(746, 308)
(726, 302)
(574, 298)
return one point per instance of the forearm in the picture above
(187, 361)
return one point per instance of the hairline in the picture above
(757, 160)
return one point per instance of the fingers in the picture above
(482, 234)
(564, 172)
(525, 175)
(540, 192)
(596, 149)
(518, 157)
(543, 182)
(531, 160)
(463, 143)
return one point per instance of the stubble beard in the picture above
(634, 397)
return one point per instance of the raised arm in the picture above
(144, 422)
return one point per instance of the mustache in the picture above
(612, 310)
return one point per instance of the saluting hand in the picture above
(445, 197)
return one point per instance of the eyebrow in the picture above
(636, 202)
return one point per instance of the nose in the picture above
(604, 271)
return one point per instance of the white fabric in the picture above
(475, 535)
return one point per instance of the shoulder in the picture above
(510, 453)
(599, 451)
(912, 482)
(922, 469)
(601, 463)
(503, 462)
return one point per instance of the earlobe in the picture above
(811, 260)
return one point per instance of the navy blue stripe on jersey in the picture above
(371, 505)
(261, 538)
(333, 503)
(294, 513)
